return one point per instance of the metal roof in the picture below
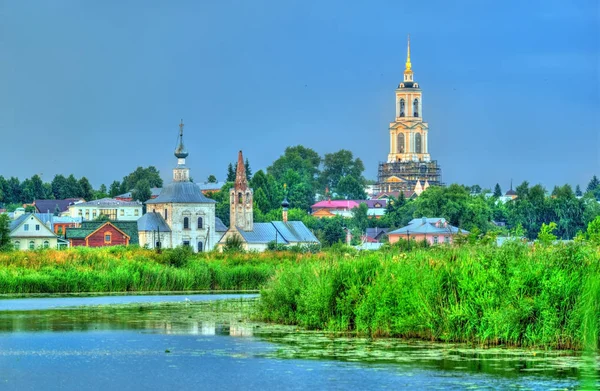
(262, 233)
(428, 226)
(219, 226)
(152, 221)
(109, 202)
(181, 192)
(295, 231)
(16, 222)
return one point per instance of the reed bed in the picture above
(514, 295)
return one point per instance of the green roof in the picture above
(87, 227)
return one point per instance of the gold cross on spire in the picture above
(408, 64)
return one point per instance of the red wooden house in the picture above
(107, 234)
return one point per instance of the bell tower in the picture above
(408, 133)
(241, 197)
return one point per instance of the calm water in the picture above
(201, 343)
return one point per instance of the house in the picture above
(257, 236)
(28, 232)
(56, 207)
(113, 209)
(208, 187)
(103, 233)
(182, 212)
(435, 230)
(59, 224)
(375, 235)
(332, 208)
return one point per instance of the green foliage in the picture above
(546, 236)
(114, 189)
(149, 174)
(342, 173)
(177, 257)
(509, 295)
(211, 179)
(350, 188)
(497, 191)
(230, 173)
(233, 244)
(593, 231)
(5, 243)
(593, 184)
(142, 191)
(248, 169)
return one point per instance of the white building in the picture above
(181, 214)
(115, 210)
(28, 232)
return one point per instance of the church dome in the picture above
(285, 203)
(181, 192)
(181, 152)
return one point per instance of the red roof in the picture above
(335, 204)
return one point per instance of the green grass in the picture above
(513, 295)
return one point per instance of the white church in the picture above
(181, 214)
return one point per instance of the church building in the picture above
(181, 214)
(257, 236)
(409, 166)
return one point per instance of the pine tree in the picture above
(578, 192)
(5, 243)
(594, 183)
(248, 170)
(497, 191)
(230, 173)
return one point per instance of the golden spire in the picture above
(408, 64)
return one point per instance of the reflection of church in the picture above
(409, 166)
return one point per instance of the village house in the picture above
(258, 236)
(103, 233)
(434, 230)
(343, 208)
(28, 232)
(56, 207)
(113, 209)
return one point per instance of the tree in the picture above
(360, 218)
(593, 231)
(475, 189)
(333, 231)
(339, 165)
(212, 179)
(101, 193)
(351, 189)
(248, 169)
(15, 193)
(142, 191)
(73, 188)
(230, 173)
(545, 236)
(300, 159)
(5, 243)
(150, 174)
(578, 192)
(87, 192)
(594, 183)
(233, 243)
(114, 189)
(59, 187)
(33, 189)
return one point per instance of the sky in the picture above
(511, 89)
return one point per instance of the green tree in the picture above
(33, 189)
(333, 231)
(5, 243)
(15, 192)
(233, 243)
(300, 159)
(497, 191)
(114, 189)
(248, 170)
(338, 165)
(475, 189)
(230, 173)
(360, 218)
(212, 179)
(593, 231)
(578, 191)
(350, 188)
(546, 236)
(593, 184)
(150, 174)
(142, 191)
(87, 192)
(59, 187)
(101, 192)
(73, 188)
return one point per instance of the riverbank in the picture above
(514, 295)
(120, 270)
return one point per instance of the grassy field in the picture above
(514, 295)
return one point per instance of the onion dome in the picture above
(285, 204)
(180, 151)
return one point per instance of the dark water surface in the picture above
(204, 344)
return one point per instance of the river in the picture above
(205, 342)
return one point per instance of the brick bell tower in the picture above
(241, 197)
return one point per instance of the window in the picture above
(416, 108)
(400, 143)
(26, 227)
(37, 227)
(136, 212)
(46, 244)
(122, 212)
(240, 196)
(80, 213)
(110, 213)
(186, 223)
(17, 245)
(402, 107)
(200, 246)
(435, 240)
(31, 245)
(157, 245)
(186, 242)
(107, 238)
(87, 214)
(447, 239)
(200, 223)
(418, 143)
(94, 213)
(166, 213)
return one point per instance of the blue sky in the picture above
(511, 89)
